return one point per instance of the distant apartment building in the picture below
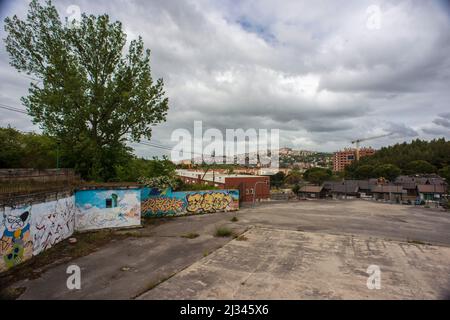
(251, 187)
(341, 159)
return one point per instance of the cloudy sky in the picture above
(323, 72)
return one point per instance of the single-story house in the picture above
(411, 183)
(315, 192)
(344, 190)
(430, 191)
(363, 185)
(388, 192)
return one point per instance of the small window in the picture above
(109, 203)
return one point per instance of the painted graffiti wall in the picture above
(52, 222)
(170, 203)
(28, 230)
(98, 209)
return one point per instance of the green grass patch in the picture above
(419, 242)
(223, 232)
(190, 235)
(234, 219)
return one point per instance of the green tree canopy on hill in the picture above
(418, 156)
(88, 94)
(419, 166)
(364, 171)
(388, 171)
(445, 173)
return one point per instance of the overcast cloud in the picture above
(323, 72)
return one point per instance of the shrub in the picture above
(223, 232)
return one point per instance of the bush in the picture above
(223, 232)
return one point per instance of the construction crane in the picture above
(357, 141)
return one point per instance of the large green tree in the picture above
(88, 94)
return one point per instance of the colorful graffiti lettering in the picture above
(209, 202)
(15, 240)
(158, 206)
(188, 202)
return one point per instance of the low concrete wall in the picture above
(28, 228)
(31, 224)
(44, 175)
(168, 203)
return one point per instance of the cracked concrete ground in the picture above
(295, 250)
(284, 264)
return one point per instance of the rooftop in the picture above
(312, 189)
(211, 175)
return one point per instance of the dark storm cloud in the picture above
(316, 70)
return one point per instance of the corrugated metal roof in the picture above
(312, 189)
(430, 188)
(387, 189)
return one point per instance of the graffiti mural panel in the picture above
(98, 209)
(170, 203)
(28, 230)
(15, 238)
(52, 222)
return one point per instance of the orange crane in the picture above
(357, 141)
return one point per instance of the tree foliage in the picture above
(25, 150)
(294, 177)
(137, 169)
(388, 171)
(364, 171)
(277, 179)
(89, 94)
(416, 157)
(317, 175)
(419, 166)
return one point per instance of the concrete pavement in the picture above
(285, 264)
(323, 244)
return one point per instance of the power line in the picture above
(158, 146)
(10, 108)
(145, 143)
